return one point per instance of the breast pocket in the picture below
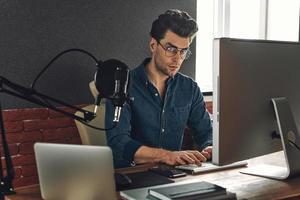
(176, 122)
(179, 117)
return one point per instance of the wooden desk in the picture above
(245, 186)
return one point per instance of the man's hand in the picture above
(207, 152)
(183, 157)
(148, 154)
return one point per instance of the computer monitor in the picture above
(248, 74)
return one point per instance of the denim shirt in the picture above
(155, 122)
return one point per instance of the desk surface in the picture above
(245, 186)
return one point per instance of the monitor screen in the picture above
(247, 74)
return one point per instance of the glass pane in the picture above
(204, 44)
(244, 18)
(283, 20)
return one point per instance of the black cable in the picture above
(97, 128)
(275, 135)
(56, 57)
(294, 144)
(81, 121)
(45, 101)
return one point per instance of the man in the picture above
(164, 102)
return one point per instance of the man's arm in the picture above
(200, 123)
(119, 139)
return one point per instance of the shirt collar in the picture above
(141, 71)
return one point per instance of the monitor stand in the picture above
(290, 142)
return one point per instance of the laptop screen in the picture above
(75, 171)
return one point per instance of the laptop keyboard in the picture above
(192, 166)
(208, 166)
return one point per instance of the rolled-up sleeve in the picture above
(119, 139)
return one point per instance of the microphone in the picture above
(112, 81)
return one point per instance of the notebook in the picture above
(196, 190)
(75, 172)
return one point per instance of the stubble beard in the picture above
(164, 70)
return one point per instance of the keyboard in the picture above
(208, 167)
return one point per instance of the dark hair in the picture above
(177, 21)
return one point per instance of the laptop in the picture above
(75, 171)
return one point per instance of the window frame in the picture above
(221, 28)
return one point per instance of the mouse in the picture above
(122, 180)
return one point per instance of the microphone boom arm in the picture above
(38, 98)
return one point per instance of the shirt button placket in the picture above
(162, 128)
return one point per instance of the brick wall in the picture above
(209, 106)
(24, 127)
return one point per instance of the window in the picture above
(283, 20)
(244, 18)
(205, 35)
(250, 19)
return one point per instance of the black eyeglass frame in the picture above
(185, 55)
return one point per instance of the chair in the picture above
(88, 135)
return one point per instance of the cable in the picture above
(97, 128)
(56, 57)
(294, 144)
(275, 135)
(45, 101)
(81, 121)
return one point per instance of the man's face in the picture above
(167, 64)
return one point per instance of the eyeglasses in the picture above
(171, 51)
